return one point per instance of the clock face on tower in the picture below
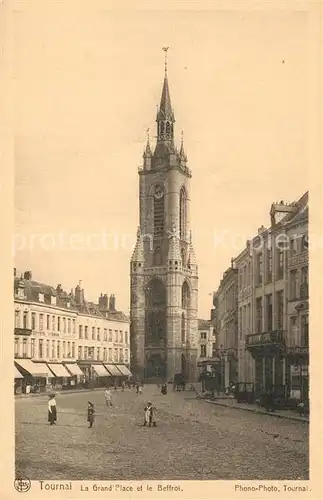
(159, 192)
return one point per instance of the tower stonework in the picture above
(163, 269)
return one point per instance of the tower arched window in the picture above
(182, 213)
(167, 128)
(162, 127)
(185, 295)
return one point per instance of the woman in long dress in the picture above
(52, 410)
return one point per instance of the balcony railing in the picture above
(267, 338)
(23, 331)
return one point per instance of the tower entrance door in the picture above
(155, 366)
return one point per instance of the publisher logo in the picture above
(22, 484)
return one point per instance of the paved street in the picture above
(193, 440)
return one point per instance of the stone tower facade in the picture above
(163, 269)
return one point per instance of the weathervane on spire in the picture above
(165, 49)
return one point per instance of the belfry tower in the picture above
(163, 270)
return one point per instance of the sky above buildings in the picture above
(87, 82)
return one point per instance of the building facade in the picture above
(206, 340)
(59, 336)
(273, 303)
(225, 301)
(163, 269)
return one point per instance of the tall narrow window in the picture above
(33, 321)
(269, 265)
(269, 308)
(304, 330)
(24, 348)
(183, 328)
(40, 347)
(85, 332)
(304, 282)
(41, 322)
(280, 262)
(47, 349)
(182, 213)
(25, 320)
(260, 270)
(280, 310)
(16, 348)
(17, 319)
(293, 284)
(259, 315)
(159, 208)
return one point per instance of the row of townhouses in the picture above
(261, 307)
(63, 340)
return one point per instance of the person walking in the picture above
(123, 385)
(90, 414)
(108, 397)
(52, 410)
(140, 389)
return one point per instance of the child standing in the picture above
(90, 414)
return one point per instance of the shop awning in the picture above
(74, 369)
(35, 369)
(100, 371)
(17, 373)
(113, 370)
(59, 370)
(124, 370)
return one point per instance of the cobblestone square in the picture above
(193, 440)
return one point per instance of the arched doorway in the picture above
(155, 366)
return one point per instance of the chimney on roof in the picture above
(103, 302)
(112, 303)
(79, 296)
(27, 275)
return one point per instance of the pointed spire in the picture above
(165, 114)
(192, 260)
(182, 153)
(138, 252)
(147, 151)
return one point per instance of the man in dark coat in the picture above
(90, 414)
